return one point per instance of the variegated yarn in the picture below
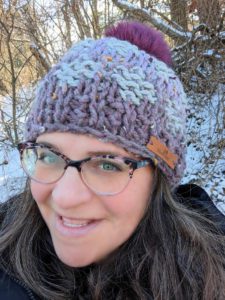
(110, 89)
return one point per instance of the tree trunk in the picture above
(208, 12)
(178, 10)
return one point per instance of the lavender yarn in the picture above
(110, 89)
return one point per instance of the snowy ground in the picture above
(202, 167)
(12, 177)
(205, 160)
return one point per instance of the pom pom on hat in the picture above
(144, 37)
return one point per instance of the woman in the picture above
(104, 216)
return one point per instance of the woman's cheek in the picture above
(40, 192)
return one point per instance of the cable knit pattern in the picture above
(110, 89)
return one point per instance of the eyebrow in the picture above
(49, 145)
(93, 153)
(89, 153)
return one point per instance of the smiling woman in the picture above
(97, 215)
(103, 215)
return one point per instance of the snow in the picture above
(12, 177)
(209, 52)
(222, 35)
(205, 161)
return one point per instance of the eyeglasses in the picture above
(103, 174)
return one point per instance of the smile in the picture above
(75, 227)
(75, 223)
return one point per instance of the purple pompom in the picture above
(144, 37)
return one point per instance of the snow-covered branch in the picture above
(39, 56)
(151, 17)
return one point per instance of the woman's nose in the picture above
(70, 190)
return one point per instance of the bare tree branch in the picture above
(65, 11)
(159, 23)
(82, 25)
(40, 58)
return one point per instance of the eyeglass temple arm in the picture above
(139, 164)
(143, 163)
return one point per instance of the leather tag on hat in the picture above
(161, 150)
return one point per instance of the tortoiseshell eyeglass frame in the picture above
(132, 163)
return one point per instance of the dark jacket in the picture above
(195, 198)
(190, 195)
(13, 289)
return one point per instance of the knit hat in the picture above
(120, 89)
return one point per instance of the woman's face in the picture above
(86, 227)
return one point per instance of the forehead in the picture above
(71, 143)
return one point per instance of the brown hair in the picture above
(174, 253)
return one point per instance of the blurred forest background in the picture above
(34, 34)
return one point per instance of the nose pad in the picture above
(70, 190)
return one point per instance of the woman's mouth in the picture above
(75, 227)
(75, 223)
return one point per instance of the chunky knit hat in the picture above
(119, 89)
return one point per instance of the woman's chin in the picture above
(75, 263)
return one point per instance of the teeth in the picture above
(74, 223)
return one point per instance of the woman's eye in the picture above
(109, 166)
(48, 157)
